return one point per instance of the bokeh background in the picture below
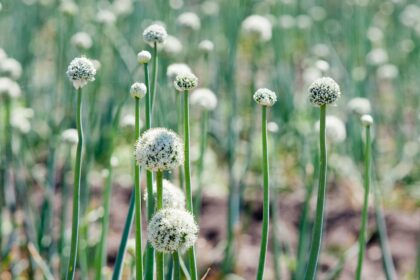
(370, 47)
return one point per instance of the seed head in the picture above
(189, 21)
(11, 68)
(359, 105)
(265, 97)
(144, 57)
(9, 88)
(185, 81)
(155, 33)
(206, 46)
(324, 91)
(172, 46)
(81, 40)
(159, 149)
(204, 98)
(366, 120)
(105, 17)
(128, 121)
(70, 136)
(138, 90)
(257, 27)
(172, 230)
(173, 197)
(81, 71)
(175, 69)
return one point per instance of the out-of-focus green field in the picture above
(370, 47)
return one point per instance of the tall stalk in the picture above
(76, 191)
(266, 200)
(154, 76)
(137, 193)
(200, 165)
(191, 250)
(177, 267)
(320, 207)
(159, 255)
(362, 233)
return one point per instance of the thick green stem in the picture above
(101, 253)
(266, 202)
(191, 251)
(76, 191)
(63, 215)
(149, 258)
(177, 267)
(320, 206)
(137, 193)
(154, 77)
(124, 238)
(178, 100)
(362, 233)
(200, 165)
(159, 256)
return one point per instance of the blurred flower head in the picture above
(257, 27)
(189, 21)
(81, 40)
(203, 98)
(173, 197)
(175, 69)
(359, 105)
(11, 68)
(9, 88)
(335, 129)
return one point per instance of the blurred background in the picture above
(370, 47)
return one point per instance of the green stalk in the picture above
(101, 253)
(266, 203)
(177, 268)
(149, 258)
(320, 206)
(124, 238)
(63, 219)
(191, 251)
(159, 256)
(154, 77)
(362, 234)
(137, 193)
(76, 191)
(178, 100)
(203, 144)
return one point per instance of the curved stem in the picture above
(191, 251)
(320, 206)
(101, 253)
(362, 233)
(266, 202)
(149, 258)
(76, 191)
(137, 193)
(159, 255)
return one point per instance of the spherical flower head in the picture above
(81, 40)
(144, 57)
(204, 98)
(257, 27)
(265, 97)
(172, 196)
(366, 120)
(70, 136)
(324, 91)
(172, 230)
(81, 71)
(159, 149)
(185, 81)
(138, 90)
(189, 21)
(105, 17)
(172, 46)
(359, 105)
(10, 67)
(335, 129)
(206, 46)
(175, 69)
(9, 88)
(21, 119)
(155, 34)
(68, 7)
(128, 121)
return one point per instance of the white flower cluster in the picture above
(138, 90)
(366, 120)
(81, 71)
(155, 33)
(70, 136)
(359, 105)
(11, 68)
(175, 69)
(159, 149)
(81, 40)
(265, 97)
(172, 196)
(335, 129)
(144, 57)
(257, 27)
(204, 98)
(189, 20)
(324, 91)
(9, 88)
(172, 230)
(185, 81)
